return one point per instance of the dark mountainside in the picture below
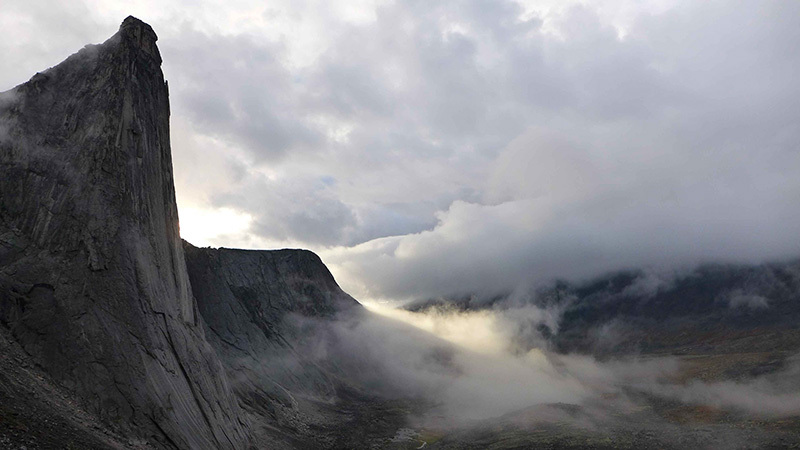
(714, 308)
(273, 318)
(94, 283)
(103, 342)
(250, 301)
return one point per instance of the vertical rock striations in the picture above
(93, 281)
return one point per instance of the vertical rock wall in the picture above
(93, 282)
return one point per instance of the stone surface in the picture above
(93, 281)
(263, 309)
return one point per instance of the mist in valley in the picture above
(496, 366)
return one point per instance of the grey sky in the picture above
(426, 148)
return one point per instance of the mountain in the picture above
(101, 320)
(93, 281)
(713, 308)
(259, 309)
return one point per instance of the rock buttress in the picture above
(267, 314)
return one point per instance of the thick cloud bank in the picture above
(435, 148)
(671, 146)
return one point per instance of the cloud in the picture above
(659, 158)
(300, 209)
(237, 90)
(468, 367)
(769, 396)
(458, 362)
(474, 146)
(739, 299)
(491, 248)
(29, 44)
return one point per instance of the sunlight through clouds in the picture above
(202, 226)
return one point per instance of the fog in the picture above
(462, 362)
(469, 367)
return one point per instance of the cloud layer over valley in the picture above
(468, 367)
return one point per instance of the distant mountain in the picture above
(713, 308)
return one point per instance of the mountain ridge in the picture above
(640, 311)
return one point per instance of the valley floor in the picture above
(34, 414)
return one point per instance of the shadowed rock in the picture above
(93, 282)
(261, 308)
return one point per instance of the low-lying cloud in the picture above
(469, 366)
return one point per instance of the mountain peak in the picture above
(139, 35)
(87, 200)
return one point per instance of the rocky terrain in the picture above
(247, 300)
(714, 308)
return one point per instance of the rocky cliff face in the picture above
(93, 282)
(96, 301)
(262, 311)
(265, 285)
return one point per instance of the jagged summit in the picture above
(137, 31)
(140, 35)
(133, 47)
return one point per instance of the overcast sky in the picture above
(426, 148)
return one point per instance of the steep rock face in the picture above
(93, 281)
(261, 309)
(267, 283)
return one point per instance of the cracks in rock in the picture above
(190, 382)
